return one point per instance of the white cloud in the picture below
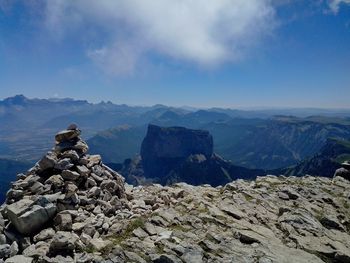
(334, 5)
(206, 33)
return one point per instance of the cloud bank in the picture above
(334, 5)
(203, 33)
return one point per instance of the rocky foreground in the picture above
(70, 207)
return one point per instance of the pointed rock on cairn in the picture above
(344, 171)
(50, 210)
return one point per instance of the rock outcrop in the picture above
(272, 219)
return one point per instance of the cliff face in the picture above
(175, 142)
(164, 149)
(177, 154)
(323, 163)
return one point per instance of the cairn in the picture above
(61, 206)
(344, 171)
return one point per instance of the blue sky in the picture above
(225, 53)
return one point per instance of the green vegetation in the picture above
(134, 224)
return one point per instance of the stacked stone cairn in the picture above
(344, 171)
(62, 206)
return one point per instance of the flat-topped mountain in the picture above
(165, 149)
(178, 154)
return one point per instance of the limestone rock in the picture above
(63, 241)
(342, 172)
(67, 135)
(28, 216)
(19, 259)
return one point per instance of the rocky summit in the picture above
(70, 207)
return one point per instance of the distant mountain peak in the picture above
(17, 100)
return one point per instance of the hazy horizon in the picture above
(227, 54)
(245, 108)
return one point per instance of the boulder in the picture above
(70, 175)
(19, 259)
(67, 135)
(342, 172)
(64, 164)
(63, 221)
(99, 244)
(5, 251)
(63, 241)
(45, 234)
(28, 216)
(48, 161)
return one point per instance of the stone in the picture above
(81, 147)
(48, 161)
(37, 188)
(71, 189)
(331, 222)
(140, 233)
(283, 195)
(83, 170)
(192, 255)
(342, 172)
(55, 180)
(289, 192)
(94, 191)
(99, 244)
(93, 160)
(346, 165)
(28, 217)
(71, 154)
(166, 259)
(133, 257)
(2, 239)
(63, 222)
(70, 175)
(67, 135)
(78, 226)
(64, 164)
(19, 259)
(5, 251)
(15, 194)
(73, 127)
(90, 183)
(14, 249)
(44, 234)
(232, 211)
(164, 235)
(62, 241)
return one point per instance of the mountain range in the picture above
(254, 138)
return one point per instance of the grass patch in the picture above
(160, 248)
(178, 228)
(247, 197)
(136, 223)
